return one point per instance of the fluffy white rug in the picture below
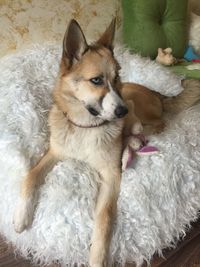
(159, 194)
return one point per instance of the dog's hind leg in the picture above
(28, 195)
(105, 214)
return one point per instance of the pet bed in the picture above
(159, 194)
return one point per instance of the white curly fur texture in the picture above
(159, 193)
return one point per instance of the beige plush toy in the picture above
(133, 127)
(135, 142)
(165, 56)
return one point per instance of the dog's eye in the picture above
(97, 80)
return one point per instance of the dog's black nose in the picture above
(121, 111)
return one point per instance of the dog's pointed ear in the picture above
(107, 37)
(74, 43)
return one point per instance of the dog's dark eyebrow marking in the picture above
(99, 75)
(95, 76)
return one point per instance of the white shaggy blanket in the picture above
(160, 194)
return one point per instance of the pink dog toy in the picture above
(144, 149)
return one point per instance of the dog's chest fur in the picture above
(96, 146)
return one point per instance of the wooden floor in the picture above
(187, 253)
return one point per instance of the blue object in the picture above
(190, 54)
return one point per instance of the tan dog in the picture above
(86, 123)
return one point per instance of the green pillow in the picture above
(150, 24)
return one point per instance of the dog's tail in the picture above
(187, 98)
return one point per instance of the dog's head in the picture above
(90, 73)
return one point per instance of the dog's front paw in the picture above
(97, 257)
(97, 265)
(23, 216)
(137, 128)
(134, 142)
